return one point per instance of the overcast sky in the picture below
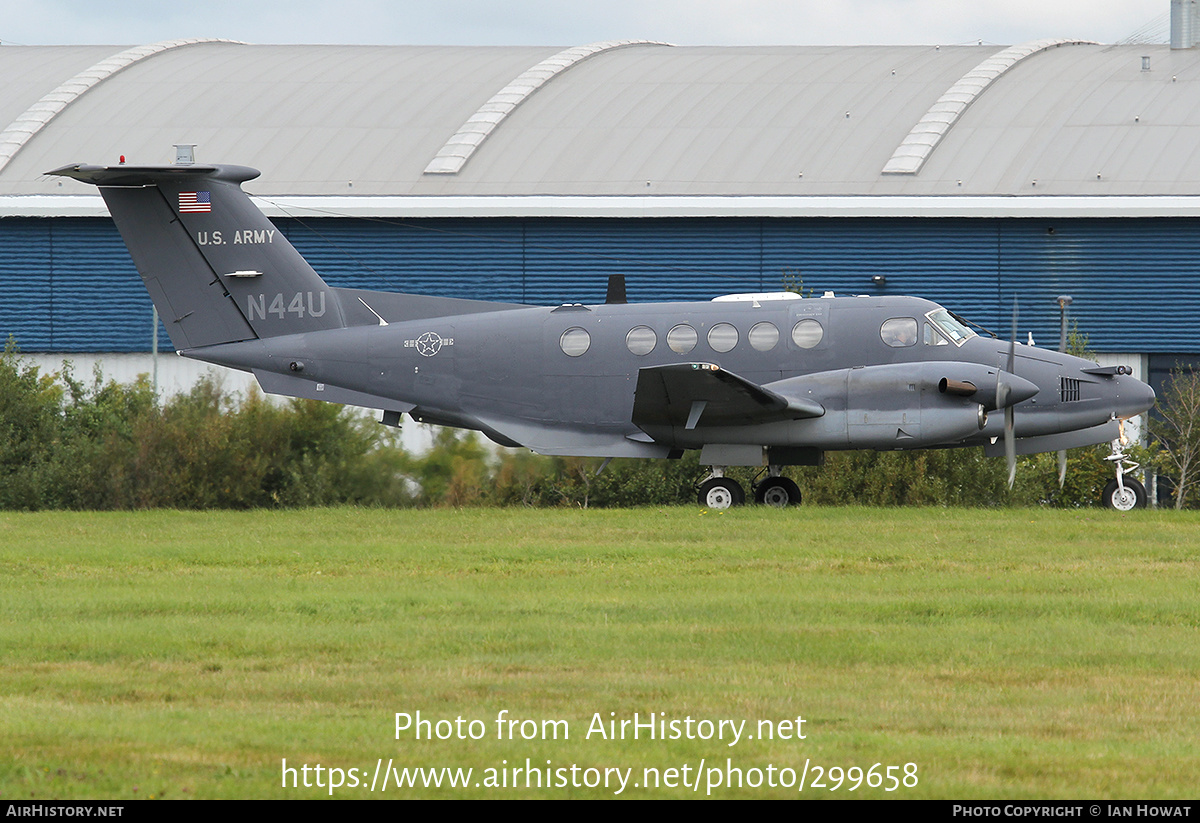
(575, 22)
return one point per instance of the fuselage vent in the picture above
(1068, 389)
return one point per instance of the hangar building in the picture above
(970, 175)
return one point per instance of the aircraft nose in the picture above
(1133, 397)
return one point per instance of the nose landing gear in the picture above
(1123, 493)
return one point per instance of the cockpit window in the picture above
(957, 332)
(899, 332)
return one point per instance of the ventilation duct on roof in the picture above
(1184, 24)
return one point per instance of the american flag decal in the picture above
(191, 202)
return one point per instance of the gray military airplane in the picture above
(750, 380)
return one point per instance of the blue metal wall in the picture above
(69, 284)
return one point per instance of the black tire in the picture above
(721, 493)
(1134, 496)
(779, 492)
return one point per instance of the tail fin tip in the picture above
(151, 175)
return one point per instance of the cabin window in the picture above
(722, 337)
(807, 333)
(574, 342)
(641, 340)
(763, 336)
(899, 332)
(682, 339)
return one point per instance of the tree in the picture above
(30, 430)
(1177, 429)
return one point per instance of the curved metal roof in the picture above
(786, 123)
(912, 153)
(21, 130)
(470, 136)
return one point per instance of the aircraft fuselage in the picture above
(564, 380)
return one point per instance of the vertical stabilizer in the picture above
(216, 268)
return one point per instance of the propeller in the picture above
(1063, 302)
(1003, 401)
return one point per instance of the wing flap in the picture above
(691, 395)
(564, 441)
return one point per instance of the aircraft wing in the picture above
(568, 442)
(687, 395)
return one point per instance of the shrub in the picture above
(100, 445)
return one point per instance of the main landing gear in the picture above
(721, 492)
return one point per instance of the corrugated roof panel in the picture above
(569, 261)
(1132, 280)
(25, 276)
(475, 259)
(950, 261)
(70, 285)
(99, 302)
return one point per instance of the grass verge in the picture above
(1006, 653)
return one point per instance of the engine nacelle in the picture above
(902, 405)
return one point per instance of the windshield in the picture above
(947, 325)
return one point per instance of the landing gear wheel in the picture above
(721, 493)
(779, 492)
(1132, 497)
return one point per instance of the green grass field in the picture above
(1005, 653)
